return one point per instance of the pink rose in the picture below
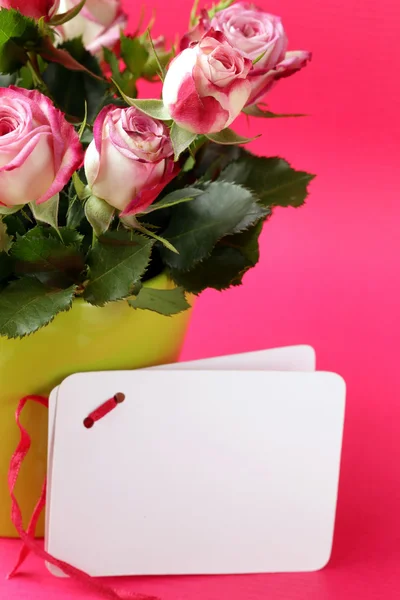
(39, 149)
(130, 160)
(32, 8)
(99, 23)
(207, 85)
(254, 32)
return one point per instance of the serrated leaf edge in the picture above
(234, 232)
(307, 176)
(124, 297)
(35, 329)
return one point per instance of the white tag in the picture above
(290, 358)
(198, 471)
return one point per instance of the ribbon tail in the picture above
(21, 559)
(25, 551)
(15, 467)
(27, 536)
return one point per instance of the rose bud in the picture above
(207, 85)
(256, 33)
(130, 160)
(39, 149)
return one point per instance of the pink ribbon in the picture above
(28, 536)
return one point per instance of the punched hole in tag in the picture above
(103, 410)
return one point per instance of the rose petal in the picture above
(42, 153)
(147, 196)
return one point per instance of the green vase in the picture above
(86, 338)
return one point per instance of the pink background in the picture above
(328, 276)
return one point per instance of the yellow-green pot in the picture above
(86, 338)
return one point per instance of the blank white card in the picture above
(199, 470)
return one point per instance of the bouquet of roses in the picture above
(101, 190)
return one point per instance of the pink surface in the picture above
(329, 276)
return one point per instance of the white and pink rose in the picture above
(130, 160)
(100, 23)
(207, 85)
(39, 149)
(254, 33)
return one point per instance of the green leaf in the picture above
(217, 271)
(7, 80)
(62, 18)
(257, 111)
(18, 34)
(110, 99)
(116, 263)
(229, 138)
(79, 186)
(113, 62)
(75, 213)
(163, 302)
(124, 80)
(47, 212)
(42, 254)
(150, 70)
(177, 197)
(181, 139)
(15, 224)
(232, 257)
(142, 228)
(189, 164)
(25, 78)
(151, 108)
(76, 92)
(272, 179)
(10, 210)
(99, 214)
(212, 159)
(70, 237)
(246, 242)
(197, 226)
(27, 305)
(6, 266)
(134, 54)
(5, 239)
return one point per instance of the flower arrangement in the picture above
(101, 190)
